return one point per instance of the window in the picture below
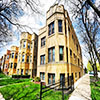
(74, 57)
(59, 25)
(65, 28)
(15, 65)
(28, 45)
(20, 46)
(42, 75)
(51, 28)
(11, 65)
(7, 56)
(21, 71)
(27, 59)
(62, 78)
(79, 74)
(22, 58)
(26, 72)
(43, 41)
(17, 71)
(31, 58)
(51, 78)
(12, 55)
(77, 47)
(19, 59)
(67, 54)
(61, 53)
(73, 39)
(68, 29)
(51, 54)
(78, 62)
(16, 56)
(31, 45)
(76, 75)
(70, 52)
(24, 44)
(42, 58)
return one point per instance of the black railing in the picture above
(65, 84)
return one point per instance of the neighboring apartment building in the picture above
(59, 52)
(13, 60)
(27, 57)
(0, 63)
(3, 58)
(6, 66)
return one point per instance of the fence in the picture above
(65, 84)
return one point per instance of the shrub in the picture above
(20, 76)
(37, 79)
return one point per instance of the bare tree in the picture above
(10, 12)
(87, 25)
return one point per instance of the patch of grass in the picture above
(29, 91)
(12, 81)
(95, 88)
(2, 75)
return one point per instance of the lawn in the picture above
(12, 81)
(95, 88)
(5, 80)
(28, 91)
(3, 75)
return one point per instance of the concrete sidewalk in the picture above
(82, 89)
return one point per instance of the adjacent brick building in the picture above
(6, 66)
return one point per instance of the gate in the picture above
(60, 85)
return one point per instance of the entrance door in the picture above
(21, 71)
(68, 78)
(79, 75)
(62, 78)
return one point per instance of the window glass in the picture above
(27, 59)
(70, 52)
(24, 44)
(16, 56)
(21, 71)
(28, 45)
(53, 51)
(31, 58)
(61, 52)
(51, 28)
(7, 56)
(11, 65)
(15, 65)
(43, 41)
(12, 55)
(22, 58)
(42, 75)
(17, 71)
(60, 25)
(51, 78)
(42, 57)
(49, 55)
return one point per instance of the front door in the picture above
(68, 78)
(62, 78)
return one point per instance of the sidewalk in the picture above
(82, 89)
(1, 97)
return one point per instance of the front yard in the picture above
(24, 89)
(28, 91)
(95, 88)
